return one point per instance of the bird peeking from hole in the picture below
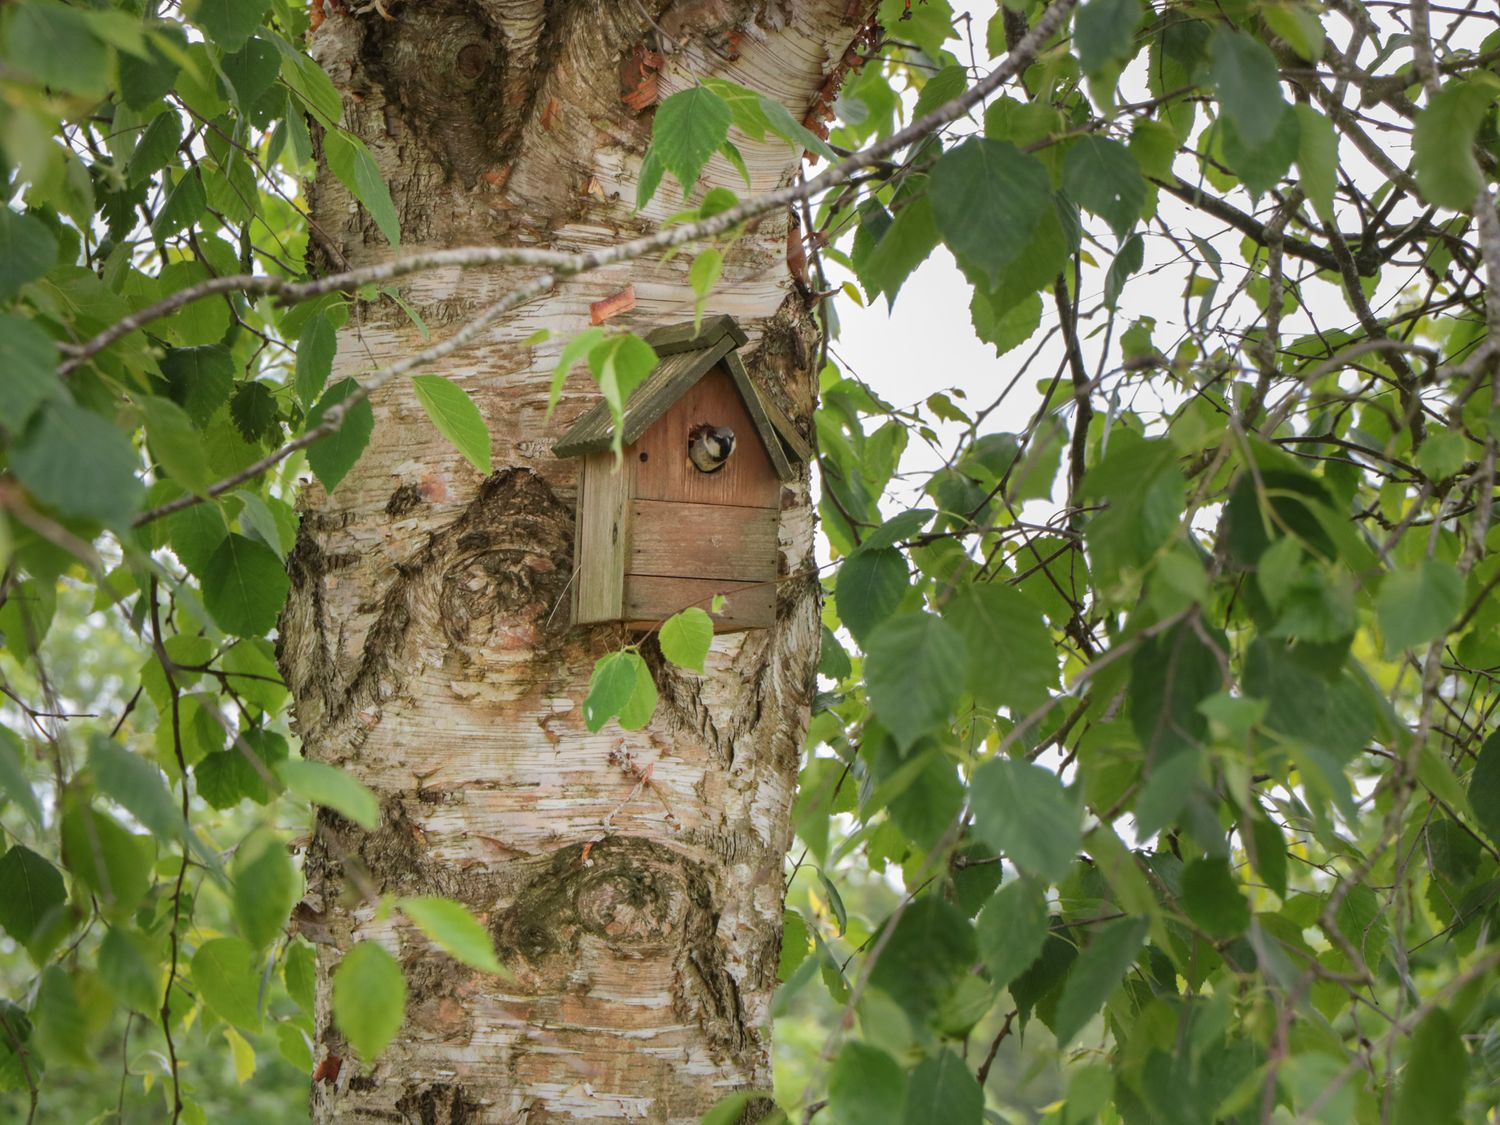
(709, 447)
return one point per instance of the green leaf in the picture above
(869, 587)
(703, 275)
(229, 23)
(1097, 973)
(865, 1087)
(144, 80)
(136, 785)
(77, 462)
(27, 251)
(1361, 919)
(226, 777)
(610, 687)
(1023, 812)
(939, 89)
(574, 352)
(688, 128)
(1213, 899)
(369, 999)
(1261, 167)
(686, 637)
(1317, 158)
(332, 788)
(1443, 454)
(941, 1089)
(987, 197)
(620, 364)
(1434, 1082)
(351, 162)
(200, 379)
(13, 780)
(227, 978)
(1484, 788)
(903, 246)
(1417, 606)
(1170, 675)
(245, 586)
(1131, 257)
(315, 350)
(299, 971)
(1011, 930)
(156, 148)
(184, 205)
(176, 443)
(457, 418)
(641, 704)
(731, 1109)
(251, 70)
(56, 45)
(1297, 26)
(332, 456)
(1447, 170)
(455, 930)
(915, 671)
(1012, 658)
(31, 891)
(114, 863)
(1247, 83)
(266, 887)
(1102, 176)
(1104, 33)
(931, 951)
(129, 967)
(254, 413)
(28, 357)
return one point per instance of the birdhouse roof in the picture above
(685, 357)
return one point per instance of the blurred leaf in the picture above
(331, 787)
(227, 978)
(369, 999)
(455, 930)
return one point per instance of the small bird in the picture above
(709, 447)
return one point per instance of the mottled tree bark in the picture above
(632, 881)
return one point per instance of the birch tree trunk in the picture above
(632, 881)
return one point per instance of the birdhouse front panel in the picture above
(691, 512)
(664, 471)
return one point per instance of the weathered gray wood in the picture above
(702, 541)
(603, 538)
(649, 601)
(672, 338)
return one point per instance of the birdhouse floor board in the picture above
(650, 600)
(702, 541)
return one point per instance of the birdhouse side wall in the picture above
(602, 544)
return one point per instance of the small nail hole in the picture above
(644, 455)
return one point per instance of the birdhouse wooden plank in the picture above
(691, 511)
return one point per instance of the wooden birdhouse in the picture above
(693, 509)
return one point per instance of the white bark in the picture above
(426, 638)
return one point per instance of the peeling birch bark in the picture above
(632, 881)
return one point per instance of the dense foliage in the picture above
(1165, 714)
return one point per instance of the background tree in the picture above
(1152, 718)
